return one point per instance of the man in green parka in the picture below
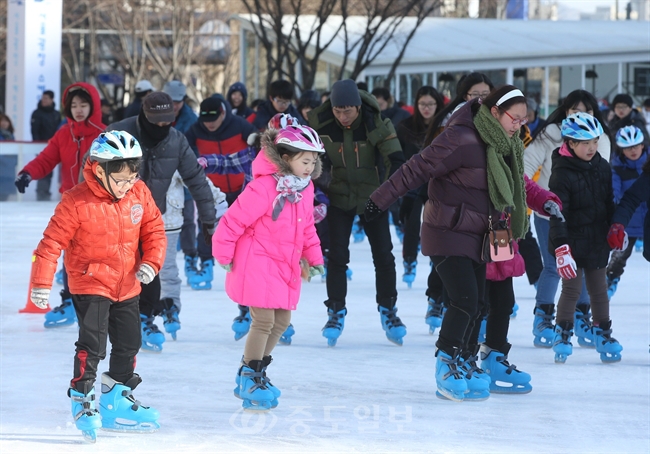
(361, 151)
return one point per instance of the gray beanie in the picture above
(345, 93)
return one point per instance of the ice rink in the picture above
(364, 395)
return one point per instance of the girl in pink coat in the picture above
(262, 241)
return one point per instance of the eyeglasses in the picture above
(476, 94)
(281, 102)
(427, 106)
(516, 122)
(121, 183)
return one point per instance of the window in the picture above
(642, 81)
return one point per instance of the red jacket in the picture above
(69, 144)
(101, 238)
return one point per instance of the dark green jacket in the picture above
(358, 158)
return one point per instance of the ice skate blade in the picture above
(201, 286)
(274, 402)
(90, 436)
(53, 324)
(153, 348)
(285, 341)
(331, 342)
(396, 340)
(513, 389)
(476, 396)
(449, 396)
(542, 342)
(610, 357)
(256, 407)
(128, 426)
(560, 358)
(240, 335)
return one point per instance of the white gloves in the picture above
(40, 297)
(145, 274)
(553, 209)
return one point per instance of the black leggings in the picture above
(99, 317)
(499, 301)
(464, 281)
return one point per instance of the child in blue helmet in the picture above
(582, 179)
(629, 156)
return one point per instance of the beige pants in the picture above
(596, 281)
(266, 328)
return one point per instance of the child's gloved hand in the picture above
(203, 162)
(22, 181)
(145, 274)
(553, 209)
(566, 266)
(320, 211)
(617, 237)
(316, 271)
(227, 267)
(40, 297)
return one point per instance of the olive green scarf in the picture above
(505, 184)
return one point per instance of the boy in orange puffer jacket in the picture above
(114, 240)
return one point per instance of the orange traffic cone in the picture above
(31, 308)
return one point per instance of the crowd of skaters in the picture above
(486, 154)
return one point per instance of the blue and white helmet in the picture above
(115, 146)
(581, 126)
(629, 136)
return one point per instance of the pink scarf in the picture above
(289, 188)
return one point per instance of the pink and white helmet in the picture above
(282, 120)
(298, 139)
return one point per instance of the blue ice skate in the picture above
(121, 412)
(638, 246)
(203, 279)
(357, 230)
(562, 345)
(515, 308)
(242, 323)
(86, 416)
(285, 339)
(583, 331)
(478, 382)
(481, 332)
(450, 382)
(334, 326)
(170, 315)
(434, 315)
(253, 391)
(392, 324)
(606, 345)
(348, 273)
(62, 315)
(58, 277)
(152, 338)
(409, 272)
(543, 326)
(191, 267)
(399, 231)
(505, 377)
(612, 285)
(265, 379)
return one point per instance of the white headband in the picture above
(511, 94)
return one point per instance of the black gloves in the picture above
(372, 211)
(208, 231)
(405, 209)
(22, 181)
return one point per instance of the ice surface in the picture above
(364, 395)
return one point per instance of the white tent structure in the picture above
(463, 45)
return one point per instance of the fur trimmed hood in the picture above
(272, 155)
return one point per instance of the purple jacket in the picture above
(455, 166)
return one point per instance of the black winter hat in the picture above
(622, 98)
(345, 93)
(211, 108)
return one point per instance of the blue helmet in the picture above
(629, 136)
(581, 126)
(114, 146)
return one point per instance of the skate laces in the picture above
(333, 321)
(85, 402)
(128, 393)
(392, 320)
(452, 364)
(606, 334)
(61, 307)
(509, 367)
(546, 322)
(258, 378)
(149, 326)
(471, 367)
(242, 317)
(435, 310)
(170, 315)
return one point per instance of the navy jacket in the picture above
(266, 111)
(186, 118)
(624, 174)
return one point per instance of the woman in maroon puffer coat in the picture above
(474, 171)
